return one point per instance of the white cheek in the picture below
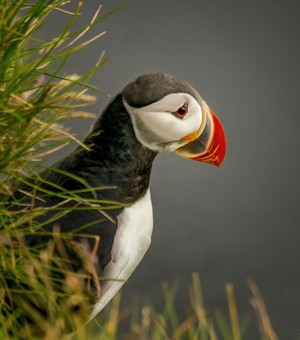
(162, 130)
(168, 127)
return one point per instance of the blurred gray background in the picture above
(241, 220)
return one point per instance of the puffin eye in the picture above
(182, 111)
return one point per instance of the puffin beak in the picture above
(208, 144)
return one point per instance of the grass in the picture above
(145, 322)
(40, 295)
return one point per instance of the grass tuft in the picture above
(40, 294)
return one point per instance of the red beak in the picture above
(210, 146)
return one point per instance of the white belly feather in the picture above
(132, 239)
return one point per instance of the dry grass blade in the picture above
(235, 326)
(198, 305)
(261, 312)
(96, 14)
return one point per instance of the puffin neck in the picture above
(116, 158)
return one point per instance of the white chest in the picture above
(132, 239)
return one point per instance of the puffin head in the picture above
(169, 114)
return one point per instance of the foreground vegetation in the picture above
(144, 322)
(40, 296)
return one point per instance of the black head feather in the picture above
(152, 87)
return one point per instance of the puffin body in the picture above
(156, 112)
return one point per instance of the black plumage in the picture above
(116, 158)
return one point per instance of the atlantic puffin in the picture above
(156, 112)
